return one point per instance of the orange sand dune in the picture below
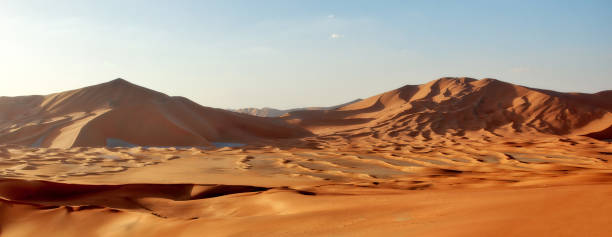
(453, 157)
(121, 111)
(475, 189)
(556, 211)
(457, 106)
(436, 188)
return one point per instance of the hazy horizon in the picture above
(283, 55)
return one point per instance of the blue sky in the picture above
(283, 54)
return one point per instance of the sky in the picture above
(286, 54)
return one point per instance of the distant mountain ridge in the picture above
(271, 112)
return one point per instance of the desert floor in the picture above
(549, 186)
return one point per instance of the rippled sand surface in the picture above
(439, 187)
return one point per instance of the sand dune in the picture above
(466, 188)
(122, 111)
(457, 106)
(452, 157)
(522, 212)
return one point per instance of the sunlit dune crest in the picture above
(124, 111)
(451, 157)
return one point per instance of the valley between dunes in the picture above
(452, 157)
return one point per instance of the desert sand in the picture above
(452, 157)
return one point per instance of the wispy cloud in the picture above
(336, 36)
(331, 16)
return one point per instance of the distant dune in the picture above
(452, 157)
(121, 112)
(460, 106)
(271, 112)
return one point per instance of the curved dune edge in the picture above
(121, 110)
(443, 107)
(144, 210)
(452, 157)
(458, 106)
(436, 187)
(601, 134)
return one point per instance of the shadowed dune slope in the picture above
(458, 105)
(198, 210)
(129, 113)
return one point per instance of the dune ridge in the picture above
(452, 157)
(131, 114)
(124, 111)
(457, 106)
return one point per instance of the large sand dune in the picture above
(456, 106)
(452, 157)
(119, 110)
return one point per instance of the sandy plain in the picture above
(469, 188)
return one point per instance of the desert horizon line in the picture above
(122, 79)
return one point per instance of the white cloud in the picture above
(331, 16)
(336, 36)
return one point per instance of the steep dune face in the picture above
(446, 158)
(125, 113)
(459, 105)
(119, 110)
